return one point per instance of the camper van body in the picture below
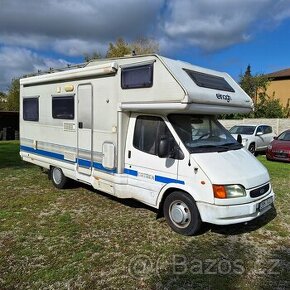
(94, 124)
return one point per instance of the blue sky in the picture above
(225, 35)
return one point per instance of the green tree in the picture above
(118, 49)
(144, 45)
(94, 55)
(253, 85)
(269, 107)
(3, 101)
(265, 106)
(121, 48)
(13, 96)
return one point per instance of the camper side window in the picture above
(148, 130)
(209, 81)
(137, 77)
(63, 107)
(30, 109)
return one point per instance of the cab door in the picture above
(147, 172)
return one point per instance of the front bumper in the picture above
(232, 214)
(277, 156)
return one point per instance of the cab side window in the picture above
(148, 131)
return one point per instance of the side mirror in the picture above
(275, 137)
(259, 133)
(163, 147)
(239, 138)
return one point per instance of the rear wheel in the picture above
(59, 180)
(181, 213)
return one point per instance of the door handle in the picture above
(81, 125)
(129, 154)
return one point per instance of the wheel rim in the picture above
(179, 214)
(252, 149)
(57, 175)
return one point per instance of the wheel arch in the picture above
(166, 192)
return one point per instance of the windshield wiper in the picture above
(217, 148)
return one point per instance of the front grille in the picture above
(260, 190)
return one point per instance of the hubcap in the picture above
(179, 214)
(57, 175)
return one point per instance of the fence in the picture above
(278, 125)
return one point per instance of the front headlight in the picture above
(235, 191)
(244, 141)
(228, 191)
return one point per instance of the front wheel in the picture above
(181, 213)
(59, 180)
(252, 149)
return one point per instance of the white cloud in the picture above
(48, 23)
(16, 62)
(216, 24)
(75, 27)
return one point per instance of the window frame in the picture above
(170, 135)
(138, 86)
(193, 74)
(23, 105)
(157, 118)
(58, 97)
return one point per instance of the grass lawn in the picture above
(81, 239)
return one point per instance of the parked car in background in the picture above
(255, 138)
(279, 148)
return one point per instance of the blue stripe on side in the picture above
(158, 178)
(84, 163)
(43, 153)
(131, 172)
(96, 165)
(99, 166)
(81, 162)
(167, 180)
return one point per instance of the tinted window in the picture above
(63, 107)
(285, 136)
(267, 129)
(137, 77)
(244, 130)
(209, 81)
(148, 131)
(30, 109)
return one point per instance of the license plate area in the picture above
(265, 203)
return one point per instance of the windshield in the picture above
(244, 130)
(202, 133)
(285, 136)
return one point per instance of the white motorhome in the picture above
(145, 127)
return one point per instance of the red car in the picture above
(279, 148)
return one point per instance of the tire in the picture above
(59, 180)
(252, 148)
(181, 213)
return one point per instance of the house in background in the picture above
(280, 86)
(9, 125)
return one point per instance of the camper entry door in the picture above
(85, 126)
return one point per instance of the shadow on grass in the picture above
(132, 203)
(227, 230)
(223, 261)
